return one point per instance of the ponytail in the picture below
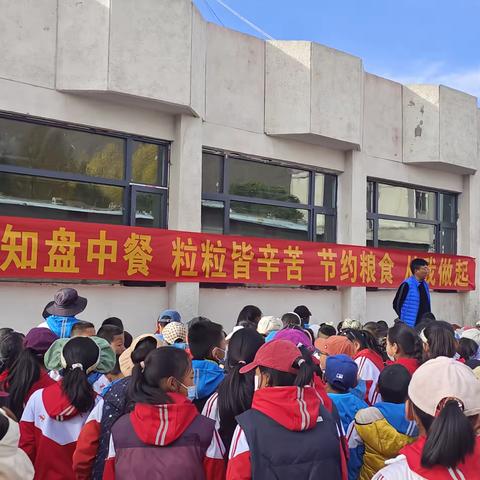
(76, 387)
(305, 373)
(21, 377)
(450, 436)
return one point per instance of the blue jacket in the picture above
(394, 414)
(412, 301)
(348, 404)
(61, 326)
(207, 377)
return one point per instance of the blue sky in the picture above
(411, 41)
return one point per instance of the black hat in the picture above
(66, 303)
(303, 312)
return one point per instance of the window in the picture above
(411, 218)
(264, 199)
(49, 170)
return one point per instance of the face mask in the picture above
(221, 361)
(256, 383)
(191, 391)
(391, 357)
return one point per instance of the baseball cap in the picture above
(302, 311)
(335, 345)
(473, 334)
(268, 324)
(341, 372)
(174, 331)
(168, 316)
(278, 354)
(444, 378)
(295, 336)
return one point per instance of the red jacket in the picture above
(370, 365)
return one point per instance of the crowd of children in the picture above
(276, 398)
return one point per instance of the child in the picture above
(14, 463)
(207, 346)
(404, 346)
(438, 341)
(467, 349)
(334, 345)
(164, 437)
(166, 317)
(444, 400)
(287, 433)
(54, 416)
(368, 357)
(11, 345)
(92, 446)
(384, 429)
(114, 336)
(341, 376)
(28, 373)
(83, 329)
(234, 395)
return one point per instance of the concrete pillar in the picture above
(352, 210)
(469, 243)
(184, 211)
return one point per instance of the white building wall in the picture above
(163, 72)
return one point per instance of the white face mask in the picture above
(191, 391)
(256, 383)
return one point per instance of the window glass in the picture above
(272, 182)
(325, 228)
(32, 145)
(252, 219)
(448, 238)
(448, 208)
(212, 216)
(406, 235)
(325, 190)
(212, 173)
(405, 202)
(149, 209)
(28, 196)
(147, 161)
(370, 224)
(370, 197)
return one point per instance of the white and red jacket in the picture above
(370, 365)
(294, 411)
(407, 466)
(49, 430)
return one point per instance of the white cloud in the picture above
(467, 80)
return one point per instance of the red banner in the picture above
(46, 249)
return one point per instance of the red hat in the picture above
(278, 354)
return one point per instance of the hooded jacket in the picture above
(384, 431)
(348, 404)
(411, 364)
(14, 462)
(60, 326)
(370, 365)
(207, 377)
(167, 441)
(49, 430)
(407, 466)
(306, 438)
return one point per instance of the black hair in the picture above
(407, 340)
(417, 263)
(250, 313)
(450, 436)
(304, 376)
(81, 326)
(310, 333)
(203, 337)
(4, 425)
(20, 379)
(160, 363)
(11, 344)
(339, 327)
(108, 332)
(327, 330)
(441, 340)
(128, 339)
(142, 349)
(467, 348)
(365, 339)
(235, 393)
(393, 383)
(113, 321)
(291, 319)
(5, 330)
(373, 328)
(75, 385)
(382, 323)
(195, 320)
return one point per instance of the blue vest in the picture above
(412, 303)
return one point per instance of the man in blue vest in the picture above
(412, 300)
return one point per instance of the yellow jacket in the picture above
(381, 440)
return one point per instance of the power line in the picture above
(213, 12)
(245, 20)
